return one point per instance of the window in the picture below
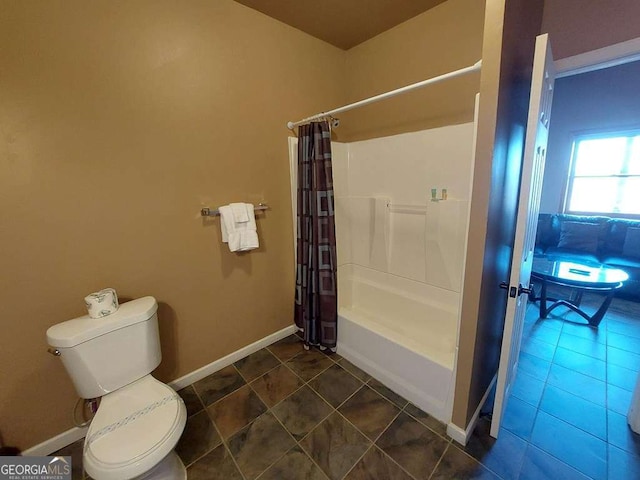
(605, 175)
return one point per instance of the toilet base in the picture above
(170, 468)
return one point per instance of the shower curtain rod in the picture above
(392, 93)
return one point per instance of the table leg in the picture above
(576, 296)
(543, 299)
(597, 317)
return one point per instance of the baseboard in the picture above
(56, 443)
(74, 434)
(462, 436)
(459, 435)
(213, 367)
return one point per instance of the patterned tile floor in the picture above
(284, 413)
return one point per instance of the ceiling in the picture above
(343, 23)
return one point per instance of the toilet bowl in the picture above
(140, 419)
(134, 430)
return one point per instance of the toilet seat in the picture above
(134, 429)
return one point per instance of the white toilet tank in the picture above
(104, 354)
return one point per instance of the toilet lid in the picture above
(134, 428)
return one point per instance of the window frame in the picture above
(578, 137)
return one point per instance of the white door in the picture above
(528, 208)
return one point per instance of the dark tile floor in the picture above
(284, 413)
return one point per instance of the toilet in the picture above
(140, 419)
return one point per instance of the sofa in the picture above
(594, 239)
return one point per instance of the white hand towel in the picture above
(239, 235)
(228, 228)
(102, 303)
(240, 214)
(249, 235)
(249, 240)
(223, 230)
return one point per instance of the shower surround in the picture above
(401, 258)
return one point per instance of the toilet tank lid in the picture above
(82, 329)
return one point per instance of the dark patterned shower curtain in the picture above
(316, 308)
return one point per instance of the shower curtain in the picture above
(316, 307)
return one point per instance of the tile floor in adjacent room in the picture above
(573, 391)
(284, 413)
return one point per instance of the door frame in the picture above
(609, 56)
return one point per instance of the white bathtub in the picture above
(401, 332)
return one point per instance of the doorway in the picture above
(567, 409)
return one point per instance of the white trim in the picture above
(219, 364)
(611, 56)
(462, 436)
(457, 434)
(74, 434)
(56, 443)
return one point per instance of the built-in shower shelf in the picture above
(416, 209)
(406, 208)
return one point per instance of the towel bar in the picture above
(208, 212)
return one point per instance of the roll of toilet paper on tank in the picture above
(102, 303)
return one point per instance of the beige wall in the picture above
(118, 121)
(445, 38)
(606, 99)
(579, 26)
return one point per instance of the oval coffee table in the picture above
(580, 276)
